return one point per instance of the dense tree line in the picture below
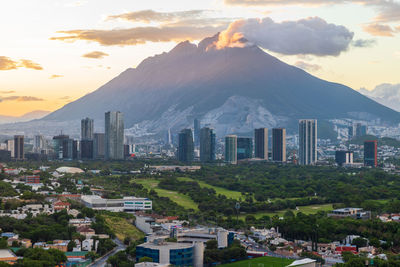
(40, 228)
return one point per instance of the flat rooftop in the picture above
(170, 245)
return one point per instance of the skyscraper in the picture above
(279, 144)
(261, 143)
(186, 146)
(196, 132)
(207, 145)
(307, 142)
(98, 145)
(10, 147)
(60, 146)
(244, 148)
(86, 147)
(87, 129)
(114, 135)
(18, 146)
(231, 149)
(371, 153)
(38, 143)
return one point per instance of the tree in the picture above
(360, 242)
(145, 259)
(212, 244)
(71, 245)
(3, 243)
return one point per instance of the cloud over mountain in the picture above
(313, 36)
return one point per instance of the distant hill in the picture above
(384, 141)
(37, 114)
(233, 90)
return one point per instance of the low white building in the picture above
(117, 205)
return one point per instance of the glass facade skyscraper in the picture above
(186, 146)
(244, 148)
(261, 143)
(207, 145)
(279, 144)
(114, 135)
(307, 142)
(231, 149)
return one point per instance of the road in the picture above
(101, 262)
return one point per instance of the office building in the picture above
(10, 147)
(244, 148)
(196, 128)
(261, 143)
(231, 149)
(279, 144)
(98, 145)
(114, 135)
(38, 143)
(371, 153)
(344, 157)
(116, 205)
(87, 127)
(86, 149)
(207, 145)
(307, 142)
(172, 253)
(64, 147)
(186, 146)
(18, 146)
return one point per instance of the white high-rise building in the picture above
(39, 143)
(307, 142)
(10, 147)
(114, 135)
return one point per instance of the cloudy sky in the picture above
(55, 51)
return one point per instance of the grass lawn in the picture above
(312, 209)
(122, 228)
(260, 262)
(219, 190)
(180, 199)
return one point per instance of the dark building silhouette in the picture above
(279, 144)
(344, 157)
(196, 132)
(261, 143)
(186, 146)
(98, 145)
(18, 146)
(87, 149)
(87, 126)
(371, 153)
(207, 145)
(244, 148)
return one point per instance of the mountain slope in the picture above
(233, 90)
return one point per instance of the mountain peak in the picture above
(184, 47)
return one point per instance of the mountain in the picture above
(37, 114)
(233, 90)
(385, 94)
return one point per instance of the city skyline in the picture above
(42, 68)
